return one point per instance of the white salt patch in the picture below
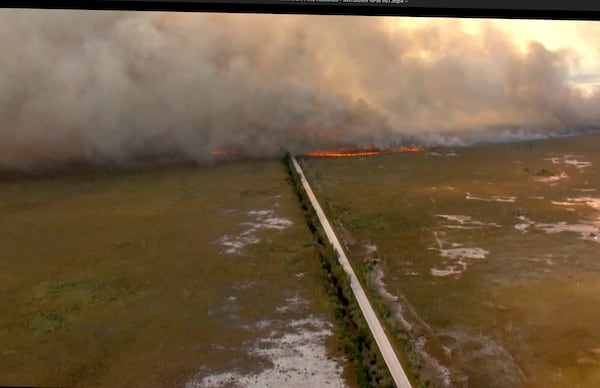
(260, 325)
(552, 179)
(260, 213)
(489, 356)
(571, 160)
(277, 223)
(298, 356)
(263, 219)
(591, 202)
(585, 190)
(466, 222)
(244, 285)
(460, 227)
(504, 198)
(234, 244)
(495, 198)
(456, 218)
(586, 231)
(402, 309)
(263, 324)
(578, 164)
(524, 225)
(442, 371)
(459, 263)
(292, 303)
(370, 248)
(377, 278)
(266, 220)
(467, 253)
(452, 270)
(563, 203)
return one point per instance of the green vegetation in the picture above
(544, 172)
(356, 338)
(498, 317)
(46, 322)
(118, 279)
(541, 172)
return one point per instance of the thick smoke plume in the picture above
(114, 87)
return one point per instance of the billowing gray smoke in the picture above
(109, 87)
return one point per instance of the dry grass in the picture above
(502, 314)
(116, 279)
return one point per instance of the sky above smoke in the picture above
(116, 87)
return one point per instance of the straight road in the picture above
(385, 347)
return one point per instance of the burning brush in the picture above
(352, 151)
(343, 152)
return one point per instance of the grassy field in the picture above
(171, 276)
(485, 258)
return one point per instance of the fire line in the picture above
(350, 152)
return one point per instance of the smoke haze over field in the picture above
(113, 87)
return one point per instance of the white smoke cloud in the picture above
(115, 87)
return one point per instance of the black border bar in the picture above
(509, 9)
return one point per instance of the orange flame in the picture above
(353, 152)
(226, 152)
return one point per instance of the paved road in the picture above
(381, 339)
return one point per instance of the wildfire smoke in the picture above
(119, 87)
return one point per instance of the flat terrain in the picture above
(179, 276)
(392, 361)
(487, 255)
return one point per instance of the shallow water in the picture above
(496, 250)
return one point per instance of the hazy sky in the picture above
(114, 87)
(580, 36)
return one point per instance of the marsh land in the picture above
(485, 259)
(172, 276)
